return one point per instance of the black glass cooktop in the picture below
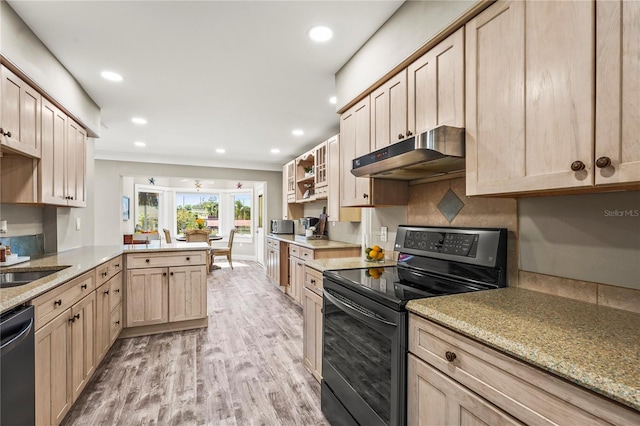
(394, 286)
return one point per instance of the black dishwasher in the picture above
(17, 367)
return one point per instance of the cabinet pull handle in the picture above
(147, 260)
(57, 303)
(450, 356)
(576, 166)
(603, 162)
(83, 286)
(400, 136)
(409, 133)
(365, 195)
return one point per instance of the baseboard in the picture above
(163, 328)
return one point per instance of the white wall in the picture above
(22, 48)
(413, 24)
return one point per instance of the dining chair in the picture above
(224, 251)
(167, 236)
(200, 236)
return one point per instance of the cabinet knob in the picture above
(400, 136)
(409, 133)
(8, 134)
(77, 316)
(118, 322)
(603, 162)
(83, 286)
(117, 290)
(57, 303)
(72, 319)
(106, 292)
(313, 282)
(171, 273)
(576, 166)
(188, 258)
(365, 195)
(147, 260)
(117, 265)
(450, 356)
(105, 273)
(164, 274)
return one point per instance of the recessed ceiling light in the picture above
(111, 76)
(138, 120)
(275, 150)
(320, 33)
(297, 132)
(139, 143)
(220, 150)
(333, 100)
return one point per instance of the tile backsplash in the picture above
(25, 245)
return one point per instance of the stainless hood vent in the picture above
(436, 152)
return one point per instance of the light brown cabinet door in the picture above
(116, 323)
(312, 332)
(147, 296)
(389, 112)
(82, 343)
(187, 293)
(103, 318)
(76, 165)
(435, 86)
(52, 164)
(434, 399)
(320, 166)
(334, 211)
(617, 92)
(354, 143)
(53, 364)
(19, 115)
(530, 97)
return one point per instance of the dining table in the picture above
(211, 238)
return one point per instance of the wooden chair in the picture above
(200, 236)
(224, 251)
(167, 236)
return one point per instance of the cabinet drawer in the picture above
(54, 302)
(294, 250)
(321, 193)
(313, 280)
(306, 254)
(291, 198)
(102, 274)
(115, 265)
(274, 244)
(159, 260)
(526, 392)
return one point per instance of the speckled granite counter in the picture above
(311, 243)
(593, 346)
(75, 262)
(344, 263)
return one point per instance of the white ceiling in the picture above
(238, 75)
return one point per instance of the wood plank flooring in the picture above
(244, 369)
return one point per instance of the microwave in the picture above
(281, 226)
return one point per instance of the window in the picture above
(193, 206)
(242, 213)
(147, 211)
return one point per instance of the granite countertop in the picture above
(74, 262)
(591, 345)
(345, 263)
(314, 244)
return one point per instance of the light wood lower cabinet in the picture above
(456, 380)
(83, 362)
(108, 314)
(53, 364)
(434, 399)
(312, 325)
(296, 278)
(174, 292)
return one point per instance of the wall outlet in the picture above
(383, 234)
(77, 223)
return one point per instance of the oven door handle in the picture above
(352, 309)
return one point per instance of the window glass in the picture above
(148, 211)
(242, 213)
(197, 210)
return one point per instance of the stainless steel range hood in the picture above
(436, 152)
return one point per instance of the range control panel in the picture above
(442, 242)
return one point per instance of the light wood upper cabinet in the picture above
(334, 211)
(435, 85)
(389, 112)
(52, 170)
(19, 115)
(76, 165)
(354, 142)
(617, 92)
(530, 97)
(320, 161)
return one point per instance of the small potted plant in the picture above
(308, 171)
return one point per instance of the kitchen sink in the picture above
(17, 278)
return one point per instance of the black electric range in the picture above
(365, 320)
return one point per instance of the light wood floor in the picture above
(244, 369)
